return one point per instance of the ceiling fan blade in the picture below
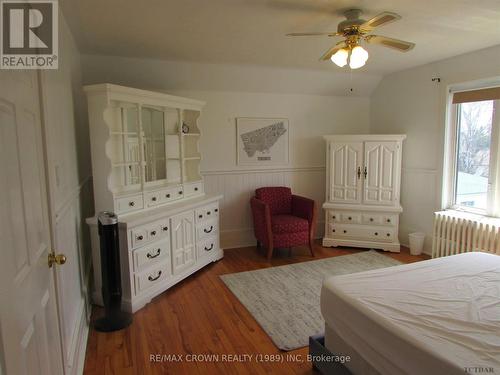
(328, 54)
(333, 33)
(379, 20)
(397, 44)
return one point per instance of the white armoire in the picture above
(146, 169)
(362, 191)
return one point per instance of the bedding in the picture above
(440, 316)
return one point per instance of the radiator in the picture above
(458, 232)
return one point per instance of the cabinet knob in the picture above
(140, 238)
(371, 219)
(208, 212)
(167, 195)
(195, 189)
(345, 231)
(333, 230)
(200, 216)
(180, 192)
(153, 199)
(350, 218)
(164, 229)
(216, 210)
(376, 233)
(388, 220)
(131, 204)
(334, 217)
(153, 233)
(388, 234)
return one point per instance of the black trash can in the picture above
(114, 318)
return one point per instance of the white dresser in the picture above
(363, 191)
(146, 169)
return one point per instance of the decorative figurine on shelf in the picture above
(185, 128)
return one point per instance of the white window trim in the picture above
(450, 152)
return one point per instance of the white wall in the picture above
(409, 102)
(70, 191)
(310, 116)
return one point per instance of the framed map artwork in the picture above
(262, 141)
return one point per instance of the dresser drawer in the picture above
(347, 217)
(361, 232)
(207, 246)
(149, 255)
(194, 188)
(149, 232)
(206, 229)
(379, 219)
(171, 194)
(129, 203)
(207, 212)
(152, 276)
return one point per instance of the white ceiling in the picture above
(253, 31)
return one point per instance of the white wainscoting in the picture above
(239, 185)
(72, 279)
(419, 197)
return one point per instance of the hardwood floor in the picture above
(201, 316)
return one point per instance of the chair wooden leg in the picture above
(269, 252)
(311, 248)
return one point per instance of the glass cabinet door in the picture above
(153, 135)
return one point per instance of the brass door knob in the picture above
(59, 259)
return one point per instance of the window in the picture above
(472, 150)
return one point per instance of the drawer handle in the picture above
(376, 233)
(345, 231)
(151, 278)
(152, 256)
(210, 248)
(164, 229)
(333, 230)
(131, 204)
(180, 192)
(167, 195)
(371, 219)
(350, 218)
(388, 220)
(200, 216)
(208, 212)
(153, 199)
(334, 217)
(209, 230)
(216, 210)
(139, 238)
(153, 233)
(195, 189)
(388, 234)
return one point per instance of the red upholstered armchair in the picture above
(281, 219)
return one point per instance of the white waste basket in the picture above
(416, 243)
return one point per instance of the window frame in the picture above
(450, 165)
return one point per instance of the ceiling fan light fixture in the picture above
(358, 58)
(340, 57)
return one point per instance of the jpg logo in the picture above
(29, 34)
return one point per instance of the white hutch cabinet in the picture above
(146, 169)
(362, 191)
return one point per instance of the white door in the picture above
(346, 160)
(183, 243)
(380, 173)
(30, 339)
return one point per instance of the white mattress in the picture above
(439, 316)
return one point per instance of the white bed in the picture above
(440, 316)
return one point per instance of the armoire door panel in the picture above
(380, 165)
(346, 161)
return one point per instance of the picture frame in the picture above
(262, 141)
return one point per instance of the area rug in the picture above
(285, 300)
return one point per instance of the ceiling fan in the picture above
(354, 30)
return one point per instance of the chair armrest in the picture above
(303, 207)
(261, 214)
